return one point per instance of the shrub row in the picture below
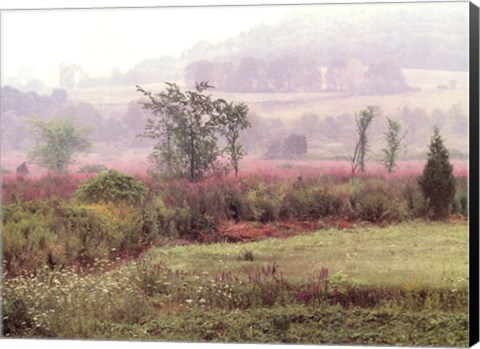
(187, 210)
(115, 214)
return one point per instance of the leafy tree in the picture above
(281, 72)
(251, 75)
(56, 141)
(363, 121)
(111, 186)
(394, 139)
(274, 150)
(344, 74)
(384, 77)
(437, 181)
(233, 119)
(307, 76)
(294, 146)
(187, 125)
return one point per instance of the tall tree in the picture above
(187, 125)
(56, 142)
(437, 181)
(363, 121)
(394, 140)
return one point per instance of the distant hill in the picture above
(420, 37)
(430, 36)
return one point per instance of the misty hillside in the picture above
(312, 36)
(307, 74)
(418, 39)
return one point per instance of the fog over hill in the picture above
(421, 37)
(418, 35)
(304, 70)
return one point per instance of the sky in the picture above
(34, 43)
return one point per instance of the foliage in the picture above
(283, 73)
(186, 125)
(316, 34)
(437, 181)
(27, 239)
(460, 203)
(46, 188)
(363, 121)
(378, 201)
(344, 74)
(385, 76)
(58, 234)
(178, 293)
(233, 119)
(56, 142)
(394, 140)
(111, 186)
(294, 146)
(274, 150)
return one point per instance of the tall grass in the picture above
(208, 292)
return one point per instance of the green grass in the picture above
(400, 285)
(422, 253)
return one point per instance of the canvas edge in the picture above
(474, 246)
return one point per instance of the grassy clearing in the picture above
(427, 254)
(398, 291)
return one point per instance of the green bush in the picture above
(415, 200)
(460, 202)
(111, 186)
(98, 231)
(28, 240)
(38, 234)
(377, 200)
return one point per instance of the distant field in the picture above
(293, 105)
(288, 107)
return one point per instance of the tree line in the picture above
(299, 73)
(186, 126)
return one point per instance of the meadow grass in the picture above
(404, 284)
(423, 253)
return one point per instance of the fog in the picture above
(304, 71)
(34, 43)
